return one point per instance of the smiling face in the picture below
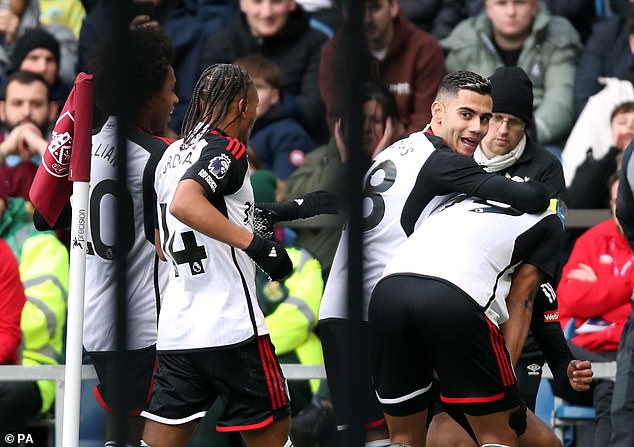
(266, 18)
(462, 120)
(162, 104)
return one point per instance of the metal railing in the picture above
(19, 373)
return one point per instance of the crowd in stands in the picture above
(577, 79)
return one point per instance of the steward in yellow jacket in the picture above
(44, 265)
(291, 310)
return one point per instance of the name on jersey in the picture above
(176, 160)
(550, 316)
(105, 151)
(207, 178)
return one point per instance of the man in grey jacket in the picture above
(525, 34)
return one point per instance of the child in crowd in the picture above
(279, 141)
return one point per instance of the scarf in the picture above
(500, 162)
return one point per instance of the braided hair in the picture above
(217, 87)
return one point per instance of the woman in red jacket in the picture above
(595, 290)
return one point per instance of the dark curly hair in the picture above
(148, 53)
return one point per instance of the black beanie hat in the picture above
(512, 92)
(30, 40)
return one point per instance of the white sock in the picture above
(378, 443)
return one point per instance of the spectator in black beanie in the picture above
(38, 51)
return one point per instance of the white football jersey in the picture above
(386, 187)
(405, 183)
(210, 299)
(481, 261)
(143, 281)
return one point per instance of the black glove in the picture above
(271, 257)
(318, 202)
(263, 223)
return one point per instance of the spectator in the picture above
(523, 33)
(14, 408)
(290, 310)
(406, 59)
(580, 13)
(38, 51)
(595, 289)
(589, 187)
(280, 142)
(323, 169)
(20, 16)
(27, 113)
(437, 17)
(43, 262)
(63, 19)
(281, 31)
(12, 296)
(607, 53)
(177, 18)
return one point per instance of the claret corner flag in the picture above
(67, 156)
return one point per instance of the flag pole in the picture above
(75, 319)
(65, 169)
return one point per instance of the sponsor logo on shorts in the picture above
(533, 369)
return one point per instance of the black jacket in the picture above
(536, 163)
(296, 50)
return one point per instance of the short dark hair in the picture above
(455, 81)
(25, 78)
(624, 107)
(150, 54)
(261, 67)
